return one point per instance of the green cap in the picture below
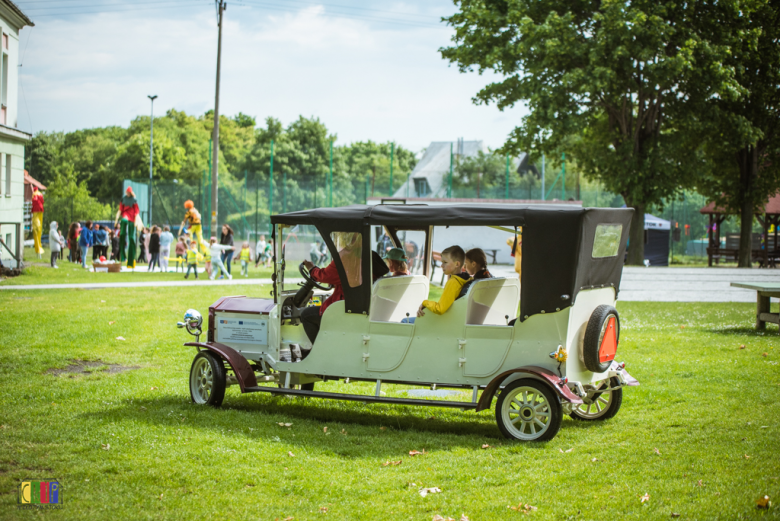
(396, 254)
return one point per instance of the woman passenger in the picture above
(396, 262)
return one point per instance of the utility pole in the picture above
(151, 157)
(215, 154)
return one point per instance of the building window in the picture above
(421, 187)
(8, 175)
(5, 41)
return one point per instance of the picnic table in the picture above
(764, 291)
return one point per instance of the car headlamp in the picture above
(192, 322)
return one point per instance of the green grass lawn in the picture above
(699, 436)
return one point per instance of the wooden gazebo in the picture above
(764, 247)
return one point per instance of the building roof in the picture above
(772, 207)
(18, 12)
(435, 165)
(30, 180)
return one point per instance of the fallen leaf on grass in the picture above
(393, 463)
(525, 508)
(120, 338)
(742, 346)
(106, 446)
(675, 514)
(344, 432)
(644, 498)
(289, 453)
(153, 388)
(486, 446)
(682, 327)
(281, 424)
(764, 354)
(324, 510)
(594, 460)
(432, 490)
(565, 451)
(111, 322)
(160, 498)
(325, 430)
(657, 451)
(143, 408)
(382, 428)
(746, 456)
(416, 452)
(103, 301)
(700, 483)
(763, 502)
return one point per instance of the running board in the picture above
(361, 398)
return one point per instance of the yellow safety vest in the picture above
(245, 254)
(192, 257)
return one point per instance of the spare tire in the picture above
(601, 339)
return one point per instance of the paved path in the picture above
(149, 284)
(638, 284)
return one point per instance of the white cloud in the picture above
(364, 80)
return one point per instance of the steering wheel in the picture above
(307, 277)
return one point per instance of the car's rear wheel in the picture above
(207, 379)
(604, 406)
(528, 410)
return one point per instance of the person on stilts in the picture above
(37, 220)
(130, 217)
(193, 222)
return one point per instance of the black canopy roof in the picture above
(349, 218)
(557, 243)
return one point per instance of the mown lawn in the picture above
(699, 437)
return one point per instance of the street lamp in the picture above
(151, 158)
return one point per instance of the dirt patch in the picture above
(90, 367)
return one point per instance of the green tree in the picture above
(743, 128)
(617, 74)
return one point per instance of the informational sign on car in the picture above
(242, 331)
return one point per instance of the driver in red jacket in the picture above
(350, 255)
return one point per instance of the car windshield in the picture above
(296, 244)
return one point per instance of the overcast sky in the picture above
(368, 70)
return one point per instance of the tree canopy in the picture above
(616, 75)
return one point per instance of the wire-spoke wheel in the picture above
(207, 379)
(528, 410)
(603, 406)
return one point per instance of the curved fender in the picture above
(244, 373)
(552, 379)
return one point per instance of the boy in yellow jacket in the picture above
(452, 260)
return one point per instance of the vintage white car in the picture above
(544, 343)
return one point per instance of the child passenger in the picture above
(452, 260)
(476, 266)
(396, 261)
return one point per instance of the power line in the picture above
(89, 6)
(49, 15)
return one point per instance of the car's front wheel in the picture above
(207, 379)
(604, 405)
(528, 410)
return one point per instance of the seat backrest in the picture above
(490, 301)
(393, 297)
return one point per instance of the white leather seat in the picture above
(393, 297)
(490, 301)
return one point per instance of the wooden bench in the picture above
(764, 292)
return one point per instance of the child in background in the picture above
(55, 243)
(216, 250)
(245, 257)
(154, 248)
(181, 252)
(192, 259)
(207, 258)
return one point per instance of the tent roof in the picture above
(656, 223)
(772, 207)
(29, 180)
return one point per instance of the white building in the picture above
(428, 179)
(12, 140)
